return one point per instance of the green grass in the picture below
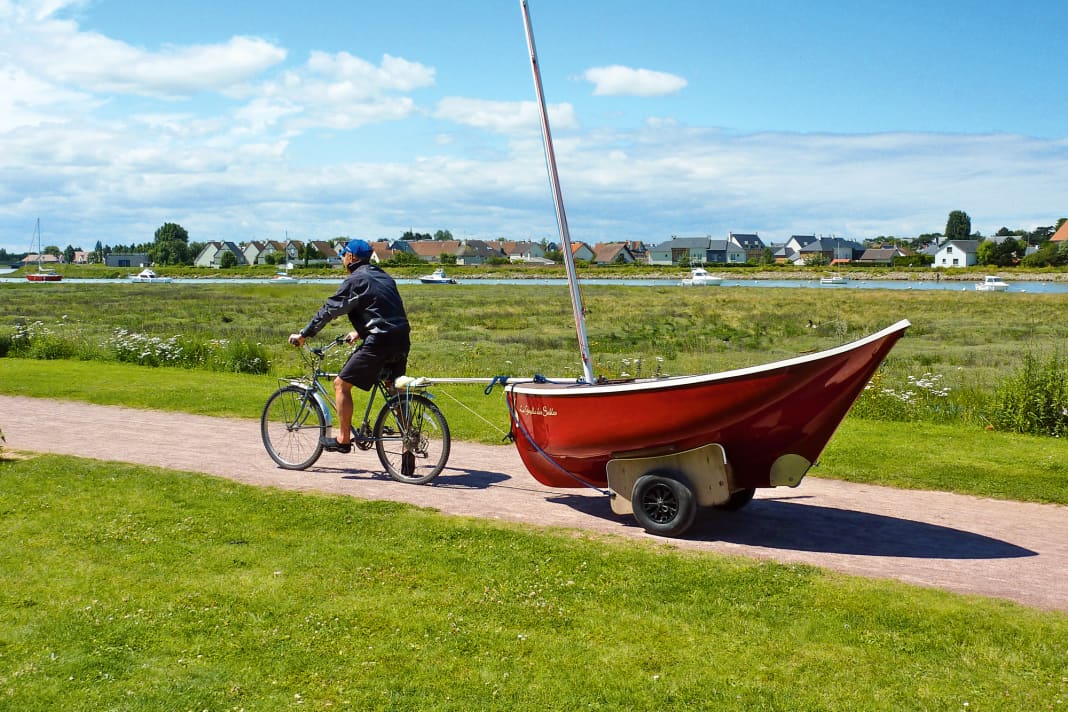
(971, 338)
(132, 588)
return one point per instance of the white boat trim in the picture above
(582, 389)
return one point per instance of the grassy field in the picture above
(479, 330)
(132, 588)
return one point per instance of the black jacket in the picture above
(370, 298)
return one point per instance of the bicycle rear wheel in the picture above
(412, 438)
(291, 426)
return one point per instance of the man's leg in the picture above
(343, 398)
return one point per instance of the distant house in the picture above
(292, 250)
(608, 253)
(881, 255)
(126, 259)
(1062, 233)
(45, 259)
(724, 252)
(211, 255)
(257, 252)
(432, 250)
(639, 250)
(750, 242)
(254, 252)
(476, 252)
(521, 251)
(327, 253)
(81, 257)
(693, 249)
(582, 251)
(957, 253)
(381, 252)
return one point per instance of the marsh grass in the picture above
(969, 342)
(135, 588)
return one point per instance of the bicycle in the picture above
(410, 433)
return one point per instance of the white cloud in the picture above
(504, 117)
(337, 91)
(58, 52)
(617, 80)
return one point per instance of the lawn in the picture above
(133, 588)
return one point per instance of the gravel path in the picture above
(971, 545)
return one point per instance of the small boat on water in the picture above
(665, 446)
(699, 276)
(148, 276)
(437, 277)
(991, 283)
(282, 275)
(833, 279)
(43, 274)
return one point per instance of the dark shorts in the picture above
(378, 352)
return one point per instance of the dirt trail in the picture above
(970, 545)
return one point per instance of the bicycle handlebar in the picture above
(320, 351)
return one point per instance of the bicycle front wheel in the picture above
(291, 425)
(412, 438)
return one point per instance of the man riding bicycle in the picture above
(373, 304)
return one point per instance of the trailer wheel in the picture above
(738, 499)
(663, 505)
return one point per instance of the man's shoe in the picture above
(332, 445)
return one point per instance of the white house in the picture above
(957, 253)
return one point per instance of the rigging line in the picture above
(471, 410)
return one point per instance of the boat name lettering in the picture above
(543, 410)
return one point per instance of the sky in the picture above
(320, 119)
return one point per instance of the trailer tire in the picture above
(663, 505)
(738, 499)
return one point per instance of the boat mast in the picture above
(558, 200)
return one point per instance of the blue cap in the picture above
(360, 248)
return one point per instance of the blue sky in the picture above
(253, 120)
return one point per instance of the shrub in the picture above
(1034, 400)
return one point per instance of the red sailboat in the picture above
(666, 446)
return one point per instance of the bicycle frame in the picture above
(314, 388)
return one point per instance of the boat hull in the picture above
(773, 421)
(44, 277)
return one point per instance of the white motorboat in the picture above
(992, 283)
(699, 276)
(438, 277)
(833, 279)
(148, 276)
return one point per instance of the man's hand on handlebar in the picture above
(296, 339)
(352, 337)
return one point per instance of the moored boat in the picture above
(437, 277)
(148, 276)
(992, 283)
(43, 274)
(833, 279)
(699, 276)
